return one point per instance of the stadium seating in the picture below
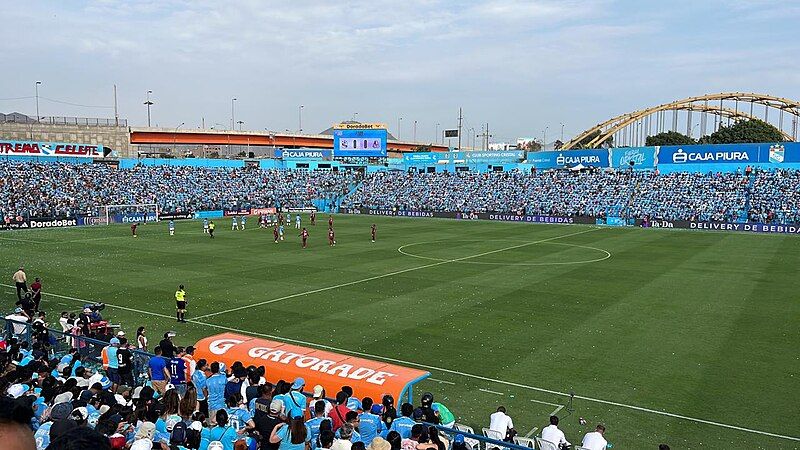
(63, 189)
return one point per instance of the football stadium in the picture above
(361, 284)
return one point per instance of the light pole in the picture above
(240, 122)
(399, 128)
(233, 115)
(562, 132)
(415, 132)
(36, 87)
(148, 103)
(544, 138)
(354, 116)
(300, 118)
(436, 135)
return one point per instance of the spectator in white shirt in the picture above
(552, 433)
(502, 423)
(595, 440)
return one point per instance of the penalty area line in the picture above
(386, 275)
(454, 372)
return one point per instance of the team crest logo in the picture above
(776, 153)
(46, 149)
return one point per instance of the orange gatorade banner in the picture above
(331, 370)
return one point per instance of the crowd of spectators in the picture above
(717, 197)
(62, 189)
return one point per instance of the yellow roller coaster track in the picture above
(607, 129)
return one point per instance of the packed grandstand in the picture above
(66, 190)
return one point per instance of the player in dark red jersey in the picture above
(331, 237)
(313, 218)
(304, 236)
(275, 233)
(330, 221)
(373, 231)
(133, 228)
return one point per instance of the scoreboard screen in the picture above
(359, 142)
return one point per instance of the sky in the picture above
(523, 67)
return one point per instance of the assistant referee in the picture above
(180, 302)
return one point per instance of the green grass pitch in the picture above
(643, 325)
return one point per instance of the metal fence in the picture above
(60, 343)
(60, 120)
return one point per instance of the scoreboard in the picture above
(359, 139)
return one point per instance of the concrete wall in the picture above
(117, 138)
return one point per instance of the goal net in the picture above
(137, 213)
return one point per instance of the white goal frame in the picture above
(106, 211)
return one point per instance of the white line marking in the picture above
(554, 263)
(555, 411)
(491, 392)
(545, 403)
(454, 372)
(533, 430)
(442, 381)
(385, 275)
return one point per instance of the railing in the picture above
(476, 441)
(61, 343)
(59, 120)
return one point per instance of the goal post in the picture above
(140, 212)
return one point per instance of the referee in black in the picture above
(180, 303)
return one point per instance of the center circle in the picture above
(602, 255)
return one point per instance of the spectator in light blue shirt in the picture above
(199, 380)
(404, 423)
(353, 403)
(370, 423)
(216, 389)
(314, 423)
(295, 401)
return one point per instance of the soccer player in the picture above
(180, 303)
(205, 226)
(244, 221)
(234, 224)
(211, 227)
(330, 221)
(331, 237)
(304, 236)
(297, 221)
(280, 230)
(275, 233)
(172, 228)
(313, 218)
(373, 231)
(133, 228)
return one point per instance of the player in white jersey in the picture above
(172, 228)
(297, 221)
(234, 224)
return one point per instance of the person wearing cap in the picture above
(20, 281)
(318, 394)
(266, 423)
(180, 304)
(111, 363)
(403, 424)
(16, 323)
(216, 389)
(427, 414)
(295, 400)
(167, 346)
(370, 423)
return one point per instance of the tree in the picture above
(669, 138)
(557, 144)
(532, 146)
(744, 131)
